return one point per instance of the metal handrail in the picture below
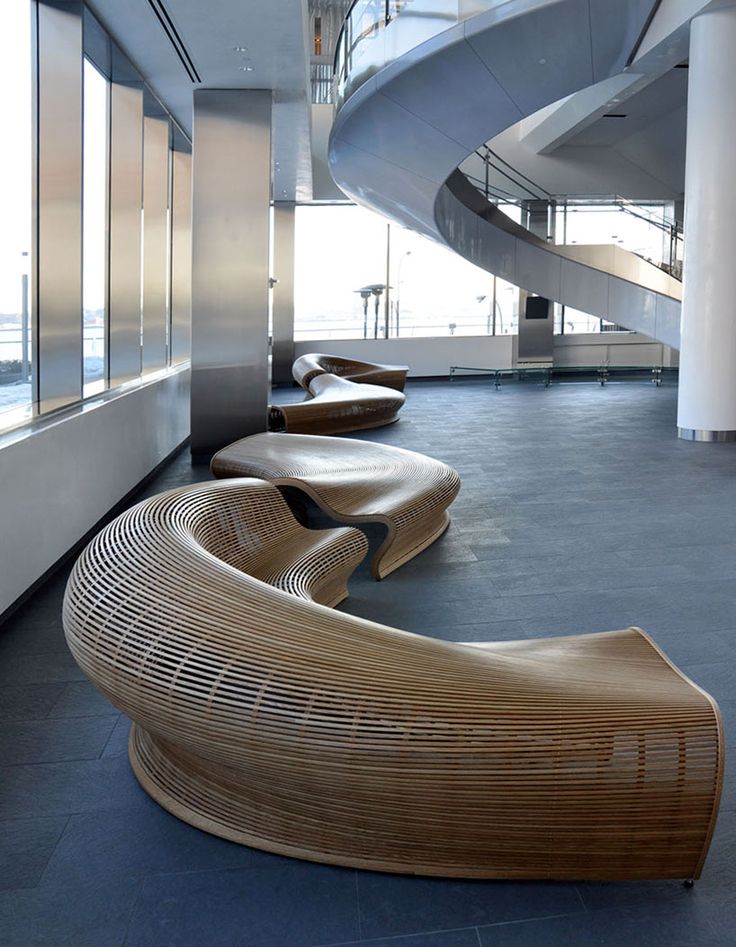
(386, 20)
(674, 229)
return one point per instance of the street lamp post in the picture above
(365, 294)
(377, 289)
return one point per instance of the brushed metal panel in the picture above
(632, 306)
(58, 261)
(667, 321)
(538, 270)
(155, 241)
(230, 256)
(181, 256)
(536, 336)
(283, 293)
(126, 196)
(585, 288)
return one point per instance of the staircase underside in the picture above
(398, 140)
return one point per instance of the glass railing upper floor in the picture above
(645, 228)
(364, 45)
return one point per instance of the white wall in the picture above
(433, 357)
(613, 349)
(58, 481)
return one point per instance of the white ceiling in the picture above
(276, 39)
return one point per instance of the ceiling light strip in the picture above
(176, 41)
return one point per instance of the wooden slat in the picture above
(274, 721)
(307, 367)
(355, 482)
(336, 405)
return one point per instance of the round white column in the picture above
(706, 409)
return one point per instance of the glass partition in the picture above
(364, 46)
(16, 328)
(95, 228)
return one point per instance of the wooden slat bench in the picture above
(355, 482)
(337, 405)
(270, 720)
(307, 367)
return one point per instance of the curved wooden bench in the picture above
(355, 482)
(307, 367)
(278, 723)
(336, 406)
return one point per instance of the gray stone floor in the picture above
(580, 511)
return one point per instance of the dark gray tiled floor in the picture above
(580, 511)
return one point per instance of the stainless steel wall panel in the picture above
(230, 254)
(283, 293)
(155, 241)
(126, 196)
(58, 260)
(181, 256)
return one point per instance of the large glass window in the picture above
(346, 257)
(15, 207)
(435, 291)
(641, 228)
(95, 217)
(340, 250)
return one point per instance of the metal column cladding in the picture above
(58, 249)
(181, 255)
(155, 241)
(126, 196)
(283, 292)
(230, 255)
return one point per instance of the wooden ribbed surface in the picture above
(355, 482)
(268, 719)
(307, 367)
(337, 405)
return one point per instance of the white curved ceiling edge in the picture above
(400, 136)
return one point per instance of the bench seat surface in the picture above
(355, 481)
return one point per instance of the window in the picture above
(340, 249)
(346, 256)
(16, 204)
(94, 222)
(434, 291)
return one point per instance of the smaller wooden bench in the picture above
(355, 482)
(307, 367)
(251, 528)
(336, 406)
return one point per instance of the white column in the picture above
(707, 392)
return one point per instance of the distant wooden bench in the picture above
(355, 482)
(336, 406)
(307, 367)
